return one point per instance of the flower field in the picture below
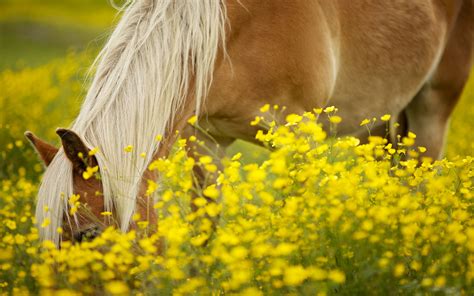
(316, 214)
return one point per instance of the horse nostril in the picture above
(78, 236)
(87, 235)
(93, 233)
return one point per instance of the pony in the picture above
(221, 60)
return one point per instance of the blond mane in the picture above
(142, 77)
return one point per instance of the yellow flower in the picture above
(294, 275)
(199, 240)
(93, 151)
(385, 117)
(399, 270)
(440, 282)
(318, 110)
(117, 288)
(239, 253)
(11, 224)
(205, 159)
(337, 276)
(200, 201)
(265, 108)
(152, 187)
(90, 172)
(45, 223)
(142, 224)
(255, 121)
(128, 148)
(136, 217)
(408, 141)
(237, 156)
(86, 175)
(335, 119)
(284, 249)
(293, 119)
(317, 273)
(74, 199)
(415, 265)
(383, 262)
(19, 239)
(330, 109)
(211, 192)
(427, 282)
(213, 209)
(256, 175)
(73, 210)
(365, 122)
(210, 168)
(192, 120)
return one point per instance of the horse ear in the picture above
(45, 150)
(75, 150)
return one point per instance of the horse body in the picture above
(368, 58)
(408, 58)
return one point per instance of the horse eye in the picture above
(87, 235)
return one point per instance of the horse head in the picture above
(85, 218)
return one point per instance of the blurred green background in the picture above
(32, 32)
(46, 48)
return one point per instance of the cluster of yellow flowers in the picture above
(38, 99)
(320, 215)
(316, 215)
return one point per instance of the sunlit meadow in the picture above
(315, 214)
